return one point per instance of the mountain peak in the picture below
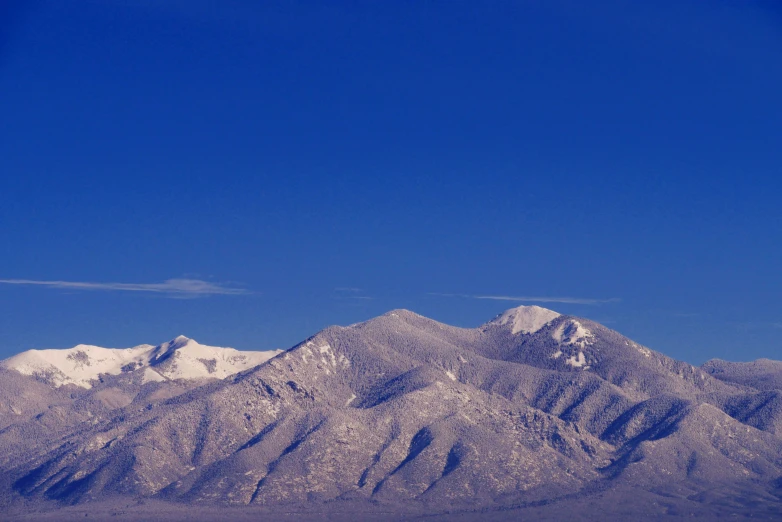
(525, 319)
(404, 312)
(168, 348)
(180, 340)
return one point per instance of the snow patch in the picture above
(450, 375)
(151, 375)
(577, 361)
(525, 319)
(573, 333)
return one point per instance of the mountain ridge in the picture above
(83, 364)
(402, 410)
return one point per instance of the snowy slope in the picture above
(180, 358)
(184, 358)
(525, 319)
(533, 408)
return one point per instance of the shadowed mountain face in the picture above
(531, 409)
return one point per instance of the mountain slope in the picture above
(532, 407)
(763, 374)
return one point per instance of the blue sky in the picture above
(247, 173)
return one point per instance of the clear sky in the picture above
(247, 173)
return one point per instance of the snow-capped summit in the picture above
(180, 358)
(184, 358)
(78, 365)
(525, 319)
(164, 350)
(180, 340)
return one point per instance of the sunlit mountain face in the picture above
(532, 413)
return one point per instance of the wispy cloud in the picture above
(170, 287)
(755, 325)
(350, 292)
(533, 299)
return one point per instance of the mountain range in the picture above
(532, 414)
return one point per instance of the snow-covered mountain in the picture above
(531, 415)
(763, 374)
(525, 319)
(180, 358)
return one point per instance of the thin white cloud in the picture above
(756, 325)
(533, 299)
(350, 292)
(348, 289)
(169, 287)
